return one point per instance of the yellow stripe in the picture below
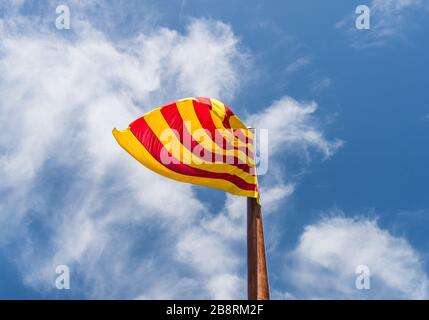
(130, 143)
(218, 108)
(228, 134)
(163, 131)
(192, 123)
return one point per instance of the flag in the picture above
(195, 140)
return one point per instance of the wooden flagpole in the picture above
(257, 273)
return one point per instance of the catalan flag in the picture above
(195, 140)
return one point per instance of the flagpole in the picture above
(257, 273)
(263, 281)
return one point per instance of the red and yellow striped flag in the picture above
(195, 140)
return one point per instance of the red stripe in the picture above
(203, 114)
(228, 114)
(242, 137)
(227, 124)
(174, 120)
(150, 141)
(226, 121)
(206, 101)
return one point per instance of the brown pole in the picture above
(257, 273)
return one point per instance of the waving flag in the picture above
(195, 140)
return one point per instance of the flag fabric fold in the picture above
(195, 140)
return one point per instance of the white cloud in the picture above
(230, 222)
(209, 253)
(297, 65)
(394, 4)
(61, 99)
(226, 286)
(272, 196)
(292, 125)
(324, 262)
(389, 19)
(69, 195)
(321, 85)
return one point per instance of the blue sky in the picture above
(347, 112)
